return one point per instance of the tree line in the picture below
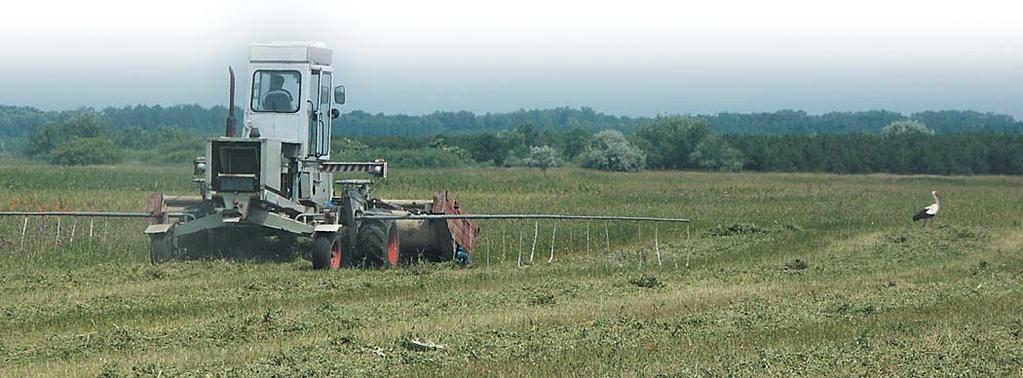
(957, 154)
(362, 124)
(86, 139)
(20, 121)
(984, 143)
(16, 122)
(681, 143)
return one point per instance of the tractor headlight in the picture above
(199, 166)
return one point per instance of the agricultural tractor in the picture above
(275, 181)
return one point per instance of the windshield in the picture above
(276, 91)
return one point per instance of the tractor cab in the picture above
(276, 161)
(291, 95)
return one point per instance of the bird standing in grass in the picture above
(929, 211)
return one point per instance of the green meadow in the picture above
(776, 275)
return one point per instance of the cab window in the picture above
(276, 91)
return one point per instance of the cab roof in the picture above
(291, 52)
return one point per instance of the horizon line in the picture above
(578, 108)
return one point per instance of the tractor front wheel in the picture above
(328, 253)
(378, 243)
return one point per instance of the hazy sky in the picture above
(634, 57)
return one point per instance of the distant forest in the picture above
(21, 121)
(935, 142)
(782, 122)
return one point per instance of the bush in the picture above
(671, 141)
(85, 151)
(343, 145)
(52, 135)
(715, 154)
(176, 151)
(610, 151)
(907, 127)
(542, 157)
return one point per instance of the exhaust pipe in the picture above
(230, 133)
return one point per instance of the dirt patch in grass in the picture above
(1011, 242)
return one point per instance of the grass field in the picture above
(779, 274)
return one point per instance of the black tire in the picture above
(161, 248)
(378, 243)
(328, 252)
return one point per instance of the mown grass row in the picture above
(779, 274)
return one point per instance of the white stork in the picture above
(929, 211)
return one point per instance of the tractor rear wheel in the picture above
(378, 243)
(161, 247)
(328, 252)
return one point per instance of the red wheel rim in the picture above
(392, 247)
(335, 255)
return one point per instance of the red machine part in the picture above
(154, 206)
(463, 231)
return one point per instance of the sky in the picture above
(637, 57)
